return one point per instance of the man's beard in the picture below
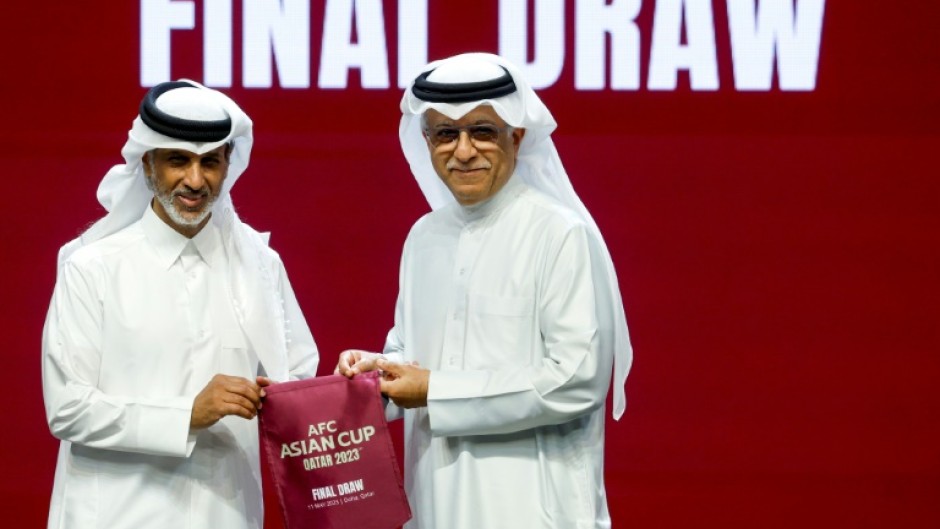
(165, 198)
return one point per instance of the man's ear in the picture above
(517, 135)
(145, 161)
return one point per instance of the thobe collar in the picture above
(473, 214)
(169, 243)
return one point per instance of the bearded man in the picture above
(169, 317)
(508, 304)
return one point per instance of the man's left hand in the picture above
(406, 385)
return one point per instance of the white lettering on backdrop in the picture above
(767, 36)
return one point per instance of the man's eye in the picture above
(446, 135)
(484, 133)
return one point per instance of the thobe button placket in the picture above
(455, 333)
(195, 271)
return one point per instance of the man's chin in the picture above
(469, 199)
(188, 217)
(477, 190)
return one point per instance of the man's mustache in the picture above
(451, 165)
(191, 193)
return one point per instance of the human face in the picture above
(472, 169)
(185, 185)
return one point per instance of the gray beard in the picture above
(166, 200)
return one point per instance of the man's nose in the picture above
(465, 148)
(195, 178)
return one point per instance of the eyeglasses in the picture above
(479, 134)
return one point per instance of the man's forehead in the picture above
(479, 113)
(218, 151)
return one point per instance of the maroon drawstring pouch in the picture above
(330, 454)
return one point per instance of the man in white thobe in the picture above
(169, 317)
(509, 320)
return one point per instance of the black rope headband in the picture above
(462, 92)
(179, 128)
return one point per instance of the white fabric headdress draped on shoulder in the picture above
(124, 194)
(537, 164)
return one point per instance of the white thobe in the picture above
(139, 323)
(498, 301)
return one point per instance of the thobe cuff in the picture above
(392, 411)
(190, 443)
(448, 392)
(164, 427)
(395, 358)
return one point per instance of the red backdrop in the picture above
(778, 252)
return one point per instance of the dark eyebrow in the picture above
(177, 153)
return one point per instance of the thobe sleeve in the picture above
(395, 342)
(302, 354)
(76, 409)
(394, 351)
(571, 379)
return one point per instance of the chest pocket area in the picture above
(236, 358)
(500, 331)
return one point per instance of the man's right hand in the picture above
(225, 395)
(354, 361)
